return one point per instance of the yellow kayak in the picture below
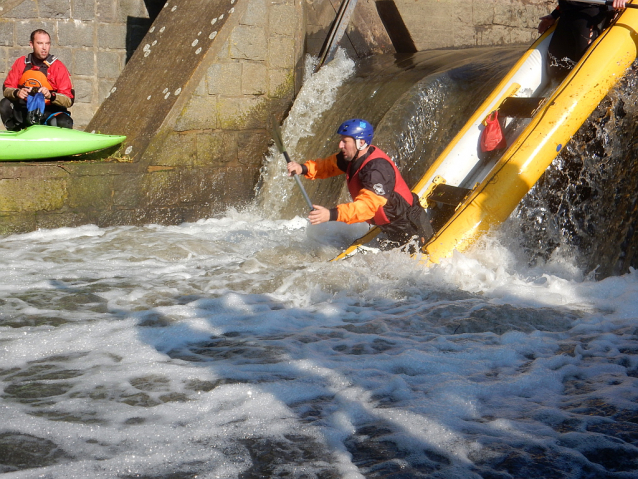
(467, 192)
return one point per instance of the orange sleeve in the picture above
(362, 208)
(321, 169)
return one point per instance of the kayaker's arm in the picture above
(61, 100)
(11, 93)
(361, 209)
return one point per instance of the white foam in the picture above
(450, 359)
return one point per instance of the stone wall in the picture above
(463, 23)
(93, 39)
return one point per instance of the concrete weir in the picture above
(196, 99)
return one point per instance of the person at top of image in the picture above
(580, 24)
(38, 73)
(380, 195)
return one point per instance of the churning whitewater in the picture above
(232, 348)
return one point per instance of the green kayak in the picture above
(39, 142)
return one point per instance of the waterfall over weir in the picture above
(231, 348)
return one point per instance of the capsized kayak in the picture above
(468, 192)
(39, 142)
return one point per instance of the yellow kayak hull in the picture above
(523, 163)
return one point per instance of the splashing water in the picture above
(318, 94)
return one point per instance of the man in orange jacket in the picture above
(380, 195)
(37, 72)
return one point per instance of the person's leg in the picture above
(7, 114)
(58, 118)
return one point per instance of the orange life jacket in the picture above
(35, 78)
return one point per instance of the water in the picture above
(232, 348)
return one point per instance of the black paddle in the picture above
(276, 133)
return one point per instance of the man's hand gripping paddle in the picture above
(276, 133)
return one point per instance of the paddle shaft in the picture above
(296, 177)
(276, 133)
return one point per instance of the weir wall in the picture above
(199, 92)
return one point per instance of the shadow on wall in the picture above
(137, 27)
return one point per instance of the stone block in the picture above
(523, 35)
(216, 148)
(240, 185)
(242, 113)
(464, 36)
(230, 112)
(160, 189)
(76, 34)
(254, 79)
(65, 55)
(83, 90)
(105, 11)
(248, 43)
(83, 9)
(109, 64)
(23, 32)
(17, 223)
(495, 35)
(280, 83)
(281, 52)
(55, 8)
(504, 14)
(198, 185)
(82, 114)
(126, 190)
(48, 220)
(83, 62)
(224, 78)
(283, 20)
(4, 63)
(25, 10)
(111, 36)
(256, 13)
(6, 33)
(531, 14)
(482, 13)
(95, 191)
(32, 194)
(179, 149)
(131, 8)
(251, 146)
(440, 39)
(200, 113)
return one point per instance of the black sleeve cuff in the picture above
(334, 214)
(555, 14)
(304, 170)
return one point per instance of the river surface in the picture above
(232, 348)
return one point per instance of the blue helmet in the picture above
(357, 129)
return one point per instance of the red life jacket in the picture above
(400, 186)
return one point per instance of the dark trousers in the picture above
(14, 115)
(577, 28)
(414, 223)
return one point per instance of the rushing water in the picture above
(232, 348)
